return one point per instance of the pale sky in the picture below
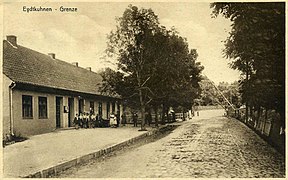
(81, 37)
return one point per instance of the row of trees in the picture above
(212, 94)
(156, 68)
(256, 46)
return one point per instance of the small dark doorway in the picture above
(92, 108)
(71, 111)
(81, 106)
(107, 110)
(100, 109)
(113, 107)
(58, 112)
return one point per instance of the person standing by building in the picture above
(148, 118)
(84, 120)
(87, 120)
(135, 119)
(173, 117)
(113, 121)
(98, 121)
(76, 121)
(93, 120)
(118, 118)
(80, 120)
(123, 118)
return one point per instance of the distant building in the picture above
(42, 93)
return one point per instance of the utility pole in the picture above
(246, 104)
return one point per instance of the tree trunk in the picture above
(166, 112)
(282, 118)
(259, 112)
(183, 113)
(251, 113)
(246, 112)
(163, 114)
(265, 120)
(156, 116)
(142, 106)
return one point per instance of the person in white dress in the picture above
(113, 121)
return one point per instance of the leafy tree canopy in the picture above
(256, 46)
(155, 64)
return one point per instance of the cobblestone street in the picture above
(209, 146)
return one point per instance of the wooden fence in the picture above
(267, 124)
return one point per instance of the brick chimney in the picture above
(75, 64)
(52, 55)
(89, 68)
(12, 39)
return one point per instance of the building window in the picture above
(92, 107)
(107, 110)
(27, 111)
(42, 102)
(81, 106)
(100, 109)
(118, 107)
(113, 107)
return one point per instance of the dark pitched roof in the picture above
(24, 65)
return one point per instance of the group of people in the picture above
(90, 120)
(86, 120)
(148, 119)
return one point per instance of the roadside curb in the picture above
(54, 170)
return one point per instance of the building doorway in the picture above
(58, 111)
(71, 111)
(107, 110)
(100, 109)
(81, 106)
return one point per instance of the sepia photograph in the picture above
(147, 89)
